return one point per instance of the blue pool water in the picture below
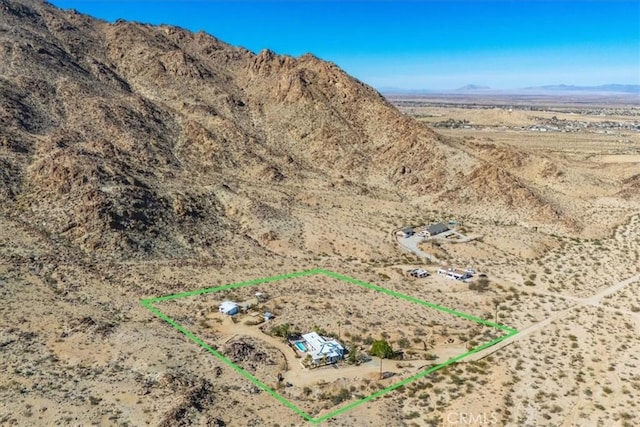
(301, 346)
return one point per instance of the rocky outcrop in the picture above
(118, 136)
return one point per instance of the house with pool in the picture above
(321, 350)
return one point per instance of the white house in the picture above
(452, 273)
(321, 348)
(229, 308)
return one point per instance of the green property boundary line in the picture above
(148, 303)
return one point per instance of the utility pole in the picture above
(427, 342)
(381, 367)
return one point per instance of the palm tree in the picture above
(286, 328)
(353, 354)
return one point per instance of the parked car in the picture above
(418, 272)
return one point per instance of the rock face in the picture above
(630, 187)
(122, 138)
(247, 353)
(244, 350)
(192, 395)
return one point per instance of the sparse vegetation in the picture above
(140, 161)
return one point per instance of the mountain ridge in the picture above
(122, 137)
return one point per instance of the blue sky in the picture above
(415, 44)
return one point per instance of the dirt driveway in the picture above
(301, 377)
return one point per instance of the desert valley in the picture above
(143, 162)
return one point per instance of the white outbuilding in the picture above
(229, 308)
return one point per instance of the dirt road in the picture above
(580, 302)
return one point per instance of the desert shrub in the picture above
(404, 342)
(480, 285)
(94, 400)
(342, 395)
(413, 414)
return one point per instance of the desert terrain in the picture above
(140, 161)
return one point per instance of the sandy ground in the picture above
(86, 352)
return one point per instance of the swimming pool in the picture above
(301, 347)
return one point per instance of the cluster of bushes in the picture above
(284, 330)
(480, 285)
(342, 395)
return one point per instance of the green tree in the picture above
(353, 354)
(307, 361)
(381, 349)
(283, 331)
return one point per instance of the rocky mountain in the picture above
(142, 161)
(127, 139)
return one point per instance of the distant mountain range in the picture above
(601, 88)
(470, 88)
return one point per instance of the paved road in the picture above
(592, 300)
(411, 244)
